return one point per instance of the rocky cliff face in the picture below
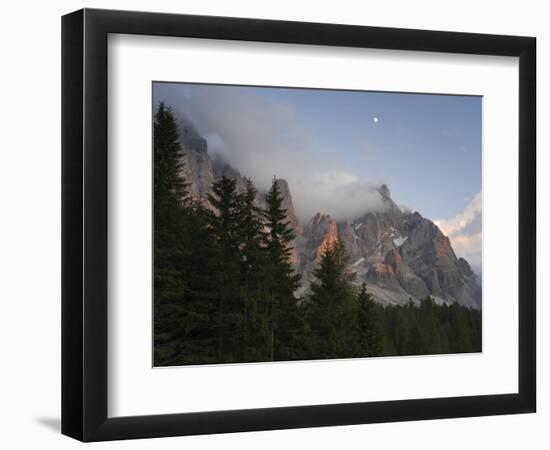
(400, 255)
(289, 206)
(197, 166)
(319, 234)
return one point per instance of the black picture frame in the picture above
(84, 224)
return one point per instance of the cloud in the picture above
(406, 208)
(463, 219)
(464, 231)
(469, 247)
(263, 139)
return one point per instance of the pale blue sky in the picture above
(427, 148)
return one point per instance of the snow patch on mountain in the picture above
(359, 261)
(400, 240)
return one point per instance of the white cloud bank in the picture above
(464, 231)
(262, 139)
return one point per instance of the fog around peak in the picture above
(262, 140)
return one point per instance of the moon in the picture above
(375, 119)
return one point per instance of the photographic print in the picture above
(309, 224)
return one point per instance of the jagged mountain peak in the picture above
(283, 185)
(288, 204)
(320, 217)
(384, 191)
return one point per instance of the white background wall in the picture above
(30, 222)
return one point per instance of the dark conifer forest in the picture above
(225, 288)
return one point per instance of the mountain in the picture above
(399, 254)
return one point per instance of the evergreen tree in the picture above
(171, 201)
(417, 345)
(254, 339)
(371, 337)
(460, 331)
(224, 222)
(284, 320)
(170, 189)
(198, 338)
(430, 326)
(332, 307)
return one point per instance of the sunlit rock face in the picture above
(319, 234)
